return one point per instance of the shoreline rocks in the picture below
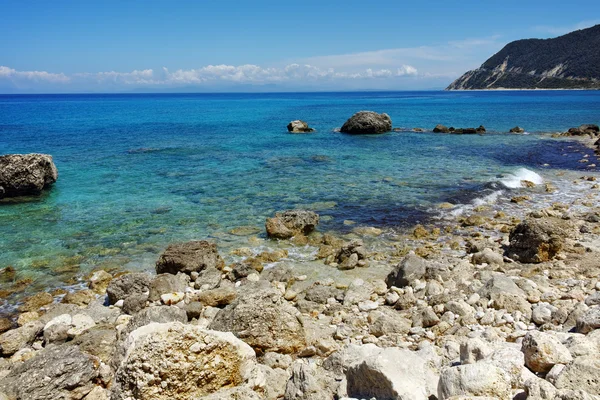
(287, 224)
(367, 122)
(26, 174)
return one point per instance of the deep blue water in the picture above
(139, 171)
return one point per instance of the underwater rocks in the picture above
(367, 122)
(287, 224)
(189, 257)
(26, 174)
(299, 126)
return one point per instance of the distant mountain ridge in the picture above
(571, 61)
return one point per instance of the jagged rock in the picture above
(538, 240)
(479, 379)
(287, 224)
(26, 174)
(188, 257)
(412, 267)
(217, 297)
(583, 373)
(99, 342)
(159, 314)
(299, 126)
(167, 283)
(589, 321)
(126, 285)
(542, 351)
(441, 129)
(263, 319)
(352, 255)
(309, 383)
(99, 281)
(58, 372)
(208, 279)
(367, 122)
(15, 339)
(134, 303)
(391, 373)
(153, 369)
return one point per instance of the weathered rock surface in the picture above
(160, 314)
(287, 224)
(589, 321)
(352, 255)
(309, 383)
(412, 267)
(126, 285)
(299, 126)
(479, 379)
(538, 240)
(188, 257)
(263, 319)
(177, 361)
(26, 174)
(583, 373)
(58, 372)
(543, 351)
(14, 340)
(167, 283)
(367, 122)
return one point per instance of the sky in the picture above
(65, 46)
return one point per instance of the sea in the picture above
(140, 171)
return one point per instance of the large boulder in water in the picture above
(188, 257)
(287, 224)
(26, 174)
(299, 126)
(366, 122)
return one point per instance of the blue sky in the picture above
(124, 46)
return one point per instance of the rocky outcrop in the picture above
(26, 174)
(516, 129)
(299, 126)
(582, 130)
(287, 224)
(459, 131)
(154, 366)
(538, 239)
(367, 122)
(352, 255)
(188, 257)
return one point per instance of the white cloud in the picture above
(145, 76)
(12, 74)
(561, 30)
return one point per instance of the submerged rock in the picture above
(367, 122)
(287, 224)
(177, 361)
(26, 174)
(299, 126)
(188, 257)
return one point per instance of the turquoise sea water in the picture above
(139, 171)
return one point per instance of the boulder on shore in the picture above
(287, 224)
(188, 257)
(367, 122)
(538, 240)
(299, 126)
(26, 174)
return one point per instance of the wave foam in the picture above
(514, 181)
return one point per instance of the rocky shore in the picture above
(484, 304)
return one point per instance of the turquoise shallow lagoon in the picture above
(139, 171)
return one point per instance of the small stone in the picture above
(172, 298)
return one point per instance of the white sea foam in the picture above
(514, 181)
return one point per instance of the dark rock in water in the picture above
(538, 240)
(481, 129)
(188, 257)
(586, 129)
(367, 122)
(126, 285)
(26, 174)
(351, 255)
(290, 223)
(299, 126)
(57, 372)
(517, 129)
(441, 129)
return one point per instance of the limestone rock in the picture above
(167, 283)
(542, 351)
(15, 339)
(263, 319)
(583, 373)
(308, 383)
(299, 126)
(367, 122)
(217, 297)
(80, 298)
(99, 281)
(589, 321)
(489, 257)
(538, 240)
(153, 366)
(26, 174)
(412, 267)
(188, 257)
(160, 314)
(126, 285)
(58, 372)
(287, 224)
(479, 379)
(352, 254)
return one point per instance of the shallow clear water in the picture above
(139, 171)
